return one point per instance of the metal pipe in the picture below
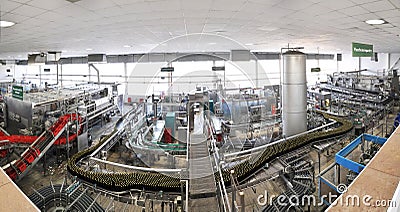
(57, 72)
(97, 70)
(233, 191)
(242, 205)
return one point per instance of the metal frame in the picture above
(340, 157)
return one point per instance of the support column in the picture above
(126, 81)
(256, 61)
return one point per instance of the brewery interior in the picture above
(216, 105)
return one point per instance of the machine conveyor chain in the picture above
(155, 181)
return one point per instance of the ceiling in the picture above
(137, 26)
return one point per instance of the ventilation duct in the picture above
(97, 58)
(36, 59)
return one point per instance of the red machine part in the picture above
(11, 173)
(33, 152)
(55, 129)
(167, 135)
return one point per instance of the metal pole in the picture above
(242, 205)
(256, 73)
(319, 162)
(233, 191)
(224, 78)
(126, 80)
(40, 75)
(44, 164)
(61, 75)
(67, 131)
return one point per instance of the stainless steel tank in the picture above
(294, 93)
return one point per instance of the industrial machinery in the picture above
(122, 181)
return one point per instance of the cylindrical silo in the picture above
(294, 93)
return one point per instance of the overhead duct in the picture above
(36, 58)
(53, 56)
(240, 55)
(294, 93)
(97, 58)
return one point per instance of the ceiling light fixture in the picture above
(6, 24)
(212, 43)
(375, 22)
(127, 46)
(89, 49)
(249, 44)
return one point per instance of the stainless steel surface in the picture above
(294, 93)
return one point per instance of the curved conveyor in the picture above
(156, 181)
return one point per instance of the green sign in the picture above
(362, 50)
(18, 92)
(315, 69)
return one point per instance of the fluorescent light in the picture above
(6, 24)
(375, 21)
(89, 49)
(249, 44)
(127, 46)
(212, 43)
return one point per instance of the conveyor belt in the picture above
(8, 142)
(155, 181)
(18, 168)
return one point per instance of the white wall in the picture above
(393, 58)
(144, 78)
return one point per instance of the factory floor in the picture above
(56, 173)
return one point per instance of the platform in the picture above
(379, 179)
(8, 189)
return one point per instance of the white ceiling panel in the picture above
(254, 8)
(395, 3)
(378, 6)
(364, 17)
(95, 4)
(316, 9)
(8, 6)
(337, 5)
(16, 18)
(163, 5)
(27, 10)
(48, 4)
(388, 13)
(72, 10)
(295, 4)
(352, 11)
(196, 4)
(58, 24)
(140, 7)
(228, 5)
